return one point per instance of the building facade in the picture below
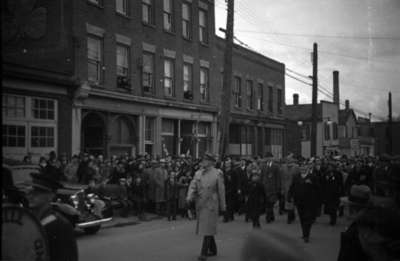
(381, 135)
(327, 128)
(136, 77)
(38, 77)
(257, 102)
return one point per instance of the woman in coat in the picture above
(208, 191)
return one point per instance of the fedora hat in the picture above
(359, 195)
(209, 156)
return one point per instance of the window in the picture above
(279, 101)
(270, 99)
(260, 97)
(147, 73)
(94, 51)
(42, 136)
(168, 137)
(250, 94)
(203, 26)
(327, 131)
(43, 109)
(147, 11)
(96, 2)
(168, 15)
(237, 90)
(168, 77)
(186, 20)
(335, 130)
(121, 6)
(13, 106)
(13, 136)
(122, 60)
(149, 135)
(204, 96)
(306, 132)
(187, 81)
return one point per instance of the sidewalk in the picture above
(118, 221)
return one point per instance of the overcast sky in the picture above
(359, 38)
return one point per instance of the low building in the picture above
(348, 132)
(327, 128)
(382, 140)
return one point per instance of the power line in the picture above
(322, 35)
(297, 79)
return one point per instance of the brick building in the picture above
(38, 77)
(257, 103)
(122, 76)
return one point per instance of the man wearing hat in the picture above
(208, 191)
(59, 231)
(374, 232)
(271, 179)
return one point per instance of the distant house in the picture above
(327, 128)
(348, 137)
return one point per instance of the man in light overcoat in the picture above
(208, 191)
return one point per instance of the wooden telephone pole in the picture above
(390, 127)
(314, 101)
(227, 82)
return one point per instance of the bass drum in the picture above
(22, 236)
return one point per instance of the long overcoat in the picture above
(208, 191)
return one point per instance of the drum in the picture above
(22, 235)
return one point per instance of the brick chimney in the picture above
(347, 104)
(295, 99)
(336, 98)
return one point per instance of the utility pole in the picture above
(390, 126)
(314, 101)
(227, 82)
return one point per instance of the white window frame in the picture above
(204, 97)
(169, 90)
(203, 27)
(187, 22)
(148, 6)
(98, 63)
(28, 121)
(187, 78)
(124, 6)
(125, 72)
(168, 15)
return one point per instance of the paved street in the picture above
(162, 240)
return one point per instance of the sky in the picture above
(358, 38)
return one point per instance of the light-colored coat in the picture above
(208, 190)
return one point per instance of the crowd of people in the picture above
(253, 185)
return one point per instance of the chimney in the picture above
(347, 102)
(295, 99)
(336, 87)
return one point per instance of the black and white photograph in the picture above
(194, 130)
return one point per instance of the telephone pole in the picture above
(314, 101)
(390, 126)
(227, 81)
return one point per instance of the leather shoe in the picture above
(202, 258)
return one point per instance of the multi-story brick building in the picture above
(37, 80)
(121, 76)
(257, 103)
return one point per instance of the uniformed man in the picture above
(208, 191)
(59, 231)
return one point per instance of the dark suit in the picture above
(230, 182)
(332, 187)
(304, 191)
(271, 179)
(255, 202)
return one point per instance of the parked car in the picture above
(84, 209)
